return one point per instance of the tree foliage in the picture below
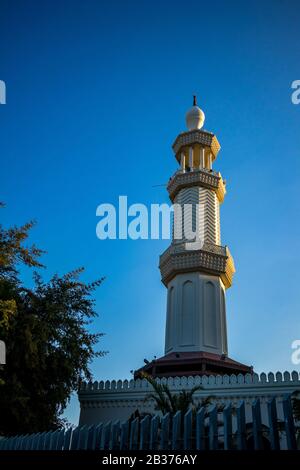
(48, 344)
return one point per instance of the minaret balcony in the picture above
(196, 136)
(200, 177)
(211, 259)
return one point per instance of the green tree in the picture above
(13, 252)
(48, 346)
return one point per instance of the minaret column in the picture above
(197, 274)
(191, 158)
(202, 157)
(209, 161)
(182, 162)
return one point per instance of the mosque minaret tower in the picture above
(196, 268)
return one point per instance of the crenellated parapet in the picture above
(276, 380)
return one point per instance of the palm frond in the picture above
(168, 402)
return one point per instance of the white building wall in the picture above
(112, 401)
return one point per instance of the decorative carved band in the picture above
(197, 136)
(214, 260)
(206, 178)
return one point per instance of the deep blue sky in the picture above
(96, 94)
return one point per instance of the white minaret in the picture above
(197, 273)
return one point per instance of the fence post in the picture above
(67, 439)
(17, 445)
(24, 443)
(47, 441)
(124, 435)
(241, 426)
(11, 443)
(115, 444)
(273, 424)
(134, 434)
(257, 428)
(165, 432)
(53, 441)
(98, 436)
(35, 441)
(14, 444)
(83, 437)
(200, 432)
(42, 440)
(153, 433)
(91, 437)
(8, 444)
(289, 423)
(25, 440)
(28, 442)
(19, 440)
(60, 439)
(75, 439)
(227, 417)
(187, 435)
(105, 441)
(2, 442)
(145, 431)
(176, 425)
(213, 428)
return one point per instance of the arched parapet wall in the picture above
(106, 401)
(277, 379)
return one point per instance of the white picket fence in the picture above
(206, 429)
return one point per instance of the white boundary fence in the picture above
(201, 430)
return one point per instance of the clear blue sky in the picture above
(96, 94)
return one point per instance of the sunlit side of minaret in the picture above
(197, 275)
